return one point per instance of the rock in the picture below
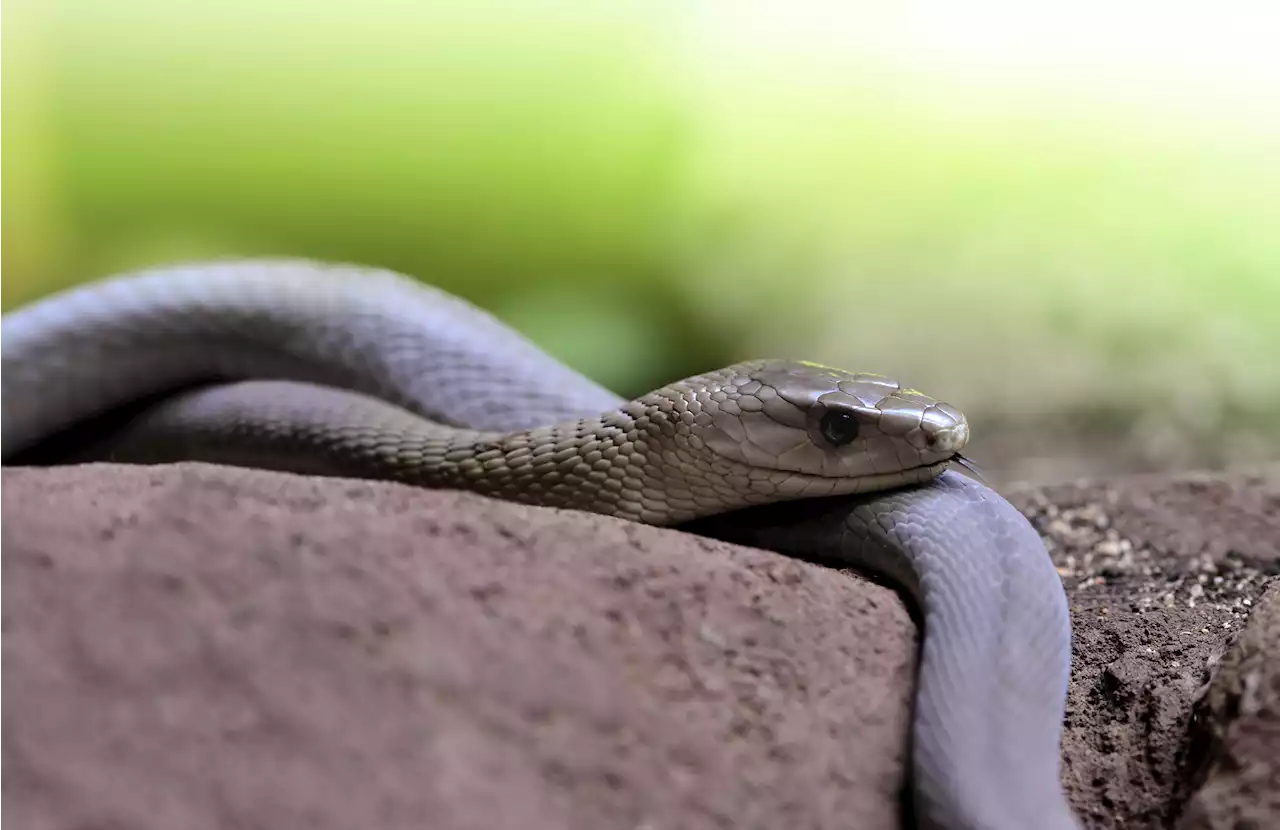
(1160, 571)
(196, 646)
(203, 647)
(1236, 730)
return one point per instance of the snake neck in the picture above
(628, 462)
(638, 462)
(622, 463)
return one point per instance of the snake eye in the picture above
(839, 428)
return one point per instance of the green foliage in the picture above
(645, 209)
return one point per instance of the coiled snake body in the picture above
(336, 370)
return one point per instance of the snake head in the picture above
(773, 429)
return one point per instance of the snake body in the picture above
(995, 659)
(338, 370)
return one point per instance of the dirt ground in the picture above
(1162, 572)
(193, 646)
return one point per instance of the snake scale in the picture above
(340, 370)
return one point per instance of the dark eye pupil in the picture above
(839, 428)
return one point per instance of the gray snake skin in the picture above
(338, 370)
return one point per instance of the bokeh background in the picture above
(1065, 220)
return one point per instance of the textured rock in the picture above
(1161, 571)
(200, 647)
(194, 646)
(1237, 730)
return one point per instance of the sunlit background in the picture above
(1064, 218)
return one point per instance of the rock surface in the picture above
(1161, 572)
(1236, 731)
(194, 646)
(201, 647)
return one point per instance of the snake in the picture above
(335, 369)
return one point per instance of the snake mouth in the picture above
(930, 470)
(908, 476)
(938, 462)
(811, 486)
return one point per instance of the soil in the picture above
(195, 646)
(1162, 572)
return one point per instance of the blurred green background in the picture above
(1065, 222)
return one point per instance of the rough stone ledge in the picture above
(194, 646)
